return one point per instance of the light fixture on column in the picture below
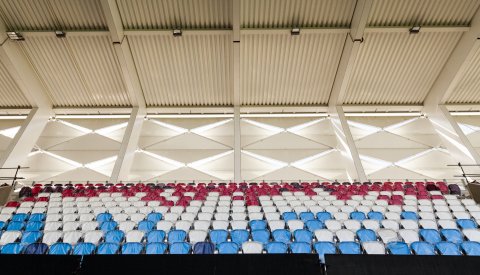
(15, 36)
(60, 34)
(295, 31)
(415, 29)
(177, 32)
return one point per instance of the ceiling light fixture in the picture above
(177, 32)
(295, 31)
(15, 36)
(415, 29)
(60, 34)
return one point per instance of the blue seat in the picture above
(154, 217)
(34, 226)
(84, 249)
(287, 216)
(467, 224)
(282, 235)
(409, 215)
(239, 236)
(398, 248)
(303, 235)
(452, 235)
(323, 216)
(156, 248)
(19, 217)
(257, 224)
(261, 235)
(471, 248)
(359, 216)
(180, 248)
(145, 226)
(29, 237)
(276, 248)
(15, 226)
(108, 248)
(323, 248)
(204, 248)
(448, 248)
(218, 236)
(108, 226)
(374, 215)
(36, 249)
(114, 236)
(349, 248)
(156, 236)
(2, 225)
(60, 249)
(307, 216)
(300, 248)
(227, 248)
(423, 248)
(313, 225)
(37, 217)
(366, 235)
(104, 217)
(430, 235)
(12, 248)
(175, 236)
(132, 248)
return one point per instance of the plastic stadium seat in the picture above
(366, 235)
(252, 248)
(239, 236)
(36, 249)
(132, 248)
(276, 248)
(93, 236)
(227, 248)
(2, 225)
(423, 248)
(307, 216)
(323, 216)
(466, 224)
(218, 236)
(398, 248)
(349, 248)
(257, 224)
(448, 248)
(146, 226)
(374, 247)
(323, 248)
(84, 249)
(430, 235)
(409, 236)
(301, 248)
(60, 249)
(203, 248)
(359, 216)
(470, 234)
(15, 226)
(31, 237)
(156, 236)
(471, 248)
(34, 226)
(176, 236)
(180, 248)
(279, 235)
(104, 217)
(12, 248)
(261, 235)
(313, 225)
(114, 236)
(373, 215)
(108, 248)
(303, 235)
(409, 215)
(287, 216)
(38, 217)
(156, 248)
(452, 235)
(19, 217)
(108, 226)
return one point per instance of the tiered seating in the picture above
(324, 218)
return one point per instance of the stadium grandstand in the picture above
(268, 136)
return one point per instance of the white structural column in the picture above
(237, 148)
(126, 155)
(345, 142)
(451, 134)
(24, 75)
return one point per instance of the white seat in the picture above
(135, 236)
(374, 248)
(299, 209)
(114, 210)
(110, 204)
(409, 224)
(458, 208)
(387, 235)
(86, 217)
(202, 225)
(89, 226)
(98, 210)
(447, 224)
(153, 203)
(394, 208)
(187, 216)
(238, 224)
(266, 209)
(254, 208)
(53, 217)
(196, 236)
(371, 224)
(323, 235)
(223, 225)
(392, 215)
(426, 216)
(379, 208)
(411, 208)
(52, 226)
(171, 217)
(255, 216)
(461, 215)
(10, 237)
(390, 224)
(183, 225)
(72, 237)
(224, 203)
(145, 210)
(70, 226)
(126, 226)
(54, 210)
(137, 217)
(23, 210)
(276, 224)
(222, 216)
(444, 215)
(352, 225)
(408, 236)
(471, 234)
(93, 236)
(428, 224)
(252, 248)
(205, 216)
(51, 237)
(160, 209)
(208, 209)
(164, 225)
(381, 202)
(131, 210)
(345, 235)
(468, 202)
(333, 225)
(120, 217)
(240, 216)
(84, 210)
(341, 216)
(38, 210)
(69, 210)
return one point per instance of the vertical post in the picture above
(237, 147)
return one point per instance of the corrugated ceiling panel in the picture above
(78, 72)
(424, 12)
(398, 68)
(184, 71)
(301, 13)
(468, 89)
(279, 69)
(52, 14)
(10, 93)
(168, 14)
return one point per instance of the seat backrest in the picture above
(12, 248)
(313, 225)
(176, 236)
(239, 236)
(108, 248)
(323, 248)
(257, 224)
(359, 216)
(154, 217)
(252, 247)
(448, 248)
(261, 235)
(156, 236)
(108, 226)
(218, 236)
(303, 235)
(349, 247)
(398, 248)
(180, 248)
(134, 236)
(452, 235)
(203, 248)
(228, 248)
(29, 237)
(471, 248)
(114, 236)
(374, 215)
(408, 236)
(374, 247)
(466, 223)
(323, 216)
(423, 248)
(345, 235)
(132, 248)
(430, 235)
(60, 249)
(366, 235)
(146, 226)
(156, 248)
(84, 249)
(36, 249)
(276, 248)
(301, 247)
